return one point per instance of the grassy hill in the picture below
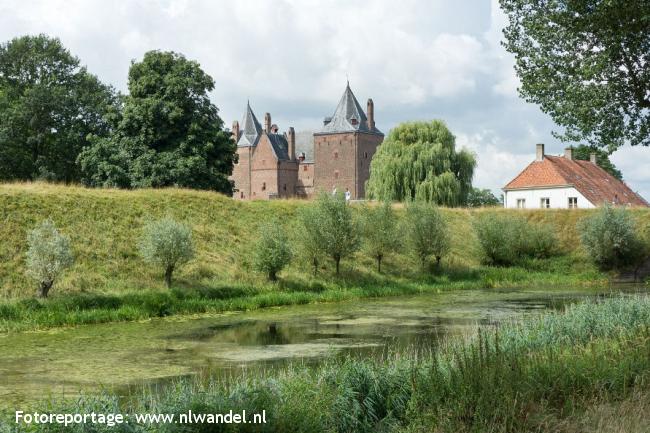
(104, 226)
(109, 281)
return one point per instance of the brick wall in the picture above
(335, 162)
(241, 174)
(366, 147)
(305, 184)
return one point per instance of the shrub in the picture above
(272, 250)
(333, 228)
(426, 232)
(610, 238)
(307, 237)
(379, 228)
(48, 255)
(505, 238)
(167, 243)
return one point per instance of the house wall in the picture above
(264, 171)
(366, 147)
(335, 162)
(305, 183)
(287, 178)
(241, 174)
(559, 198)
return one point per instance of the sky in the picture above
(417, 60)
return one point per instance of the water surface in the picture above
(63, 362)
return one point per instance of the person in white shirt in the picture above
(334, 190)
(348, 195)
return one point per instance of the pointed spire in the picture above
(349, 115)
(250, 128)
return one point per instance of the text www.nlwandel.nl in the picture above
(113, 419)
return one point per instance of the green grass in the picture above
(543, 374)
(110, 282)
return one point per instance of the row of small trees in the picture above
(328, 228)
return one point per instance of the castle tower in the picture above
(345, 146)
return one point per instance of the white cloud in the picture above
(418, 59)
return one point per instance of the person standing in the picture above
(348, 195)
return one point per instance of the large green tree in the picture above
(49, 104)
(587, 64)
(419, 161)
(168, 134)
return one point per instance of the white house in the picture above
(565, 183)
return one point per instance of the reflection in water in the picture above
(65, 361)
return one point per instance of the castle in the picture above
(274, 165)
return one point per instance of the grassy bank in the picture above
(110, 282)
(545, 374)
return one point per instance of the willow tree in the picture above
(418, 161)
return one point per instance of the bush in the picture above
(505, 239)
(379, 228)
(167, 243)
(272, 251)
(426, 232)
(48, 255)
(610, 238)
(332, 227)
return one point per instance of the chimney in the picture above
(539, 152)
(235, 131)
(592, 158)
(371, 114)
(267, 123)
(568, 153)
(291, 139)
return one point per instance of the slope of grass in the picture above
(486, 383)
(109, 281)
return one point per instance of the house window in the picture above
(264, 186)
(573, 202)
(521, 203)
(545, 203)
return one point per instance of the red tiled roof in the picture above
(590, 180)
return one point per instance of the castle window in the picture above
(336, 174)
(365, 155)
(304, 168)
(264, 186)
(284, 187)
(336, 155)
(354, 121)
(241, 194)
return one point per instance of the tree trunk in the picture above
(315, 262)
(272, 276)
(45, 288)
(168, 276)
(337, 259)
(438, 258)
(379, 257)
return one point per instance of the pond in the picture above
(65, 362)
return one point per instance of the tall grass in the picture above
(516, 378)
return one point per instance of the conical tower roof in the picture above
(349, 116)
(251, 129)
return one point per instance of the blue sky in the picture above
(417, 59)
